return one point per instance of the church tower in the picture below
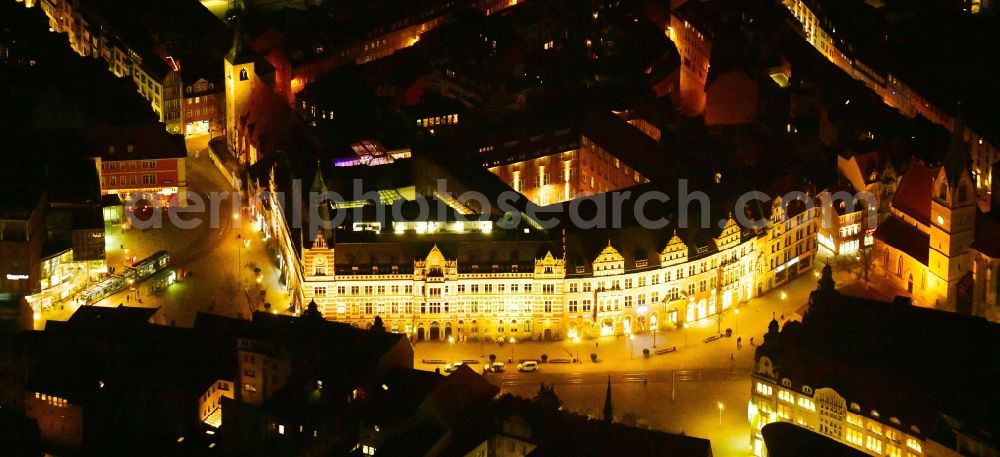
(952, 225)
(240, 79)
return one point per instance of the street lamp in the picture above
(512, 340)
(655, 330)
(631, 352)
(720, 413)
(239, 257)
(451, 341)
(576, 345)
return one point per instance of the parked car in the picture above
(527, 365)
(495, 367)
(452, 367)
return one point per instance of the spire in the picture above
(772, 328)
(608, 408)
(240, 52)
(956, 161)
(312, 312)
(825, 283)
(318, 184)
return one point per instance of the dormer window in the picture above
(111, 149)
(243, 75)
(130, 148)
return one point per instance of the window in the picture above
(146, 179)
(854, 437)
(248, 387)
(912, 443)
(319, 291)
(572, 306)
(806, 403)
(764, 389)
(243, 74)
(786, 396)
(874, 444)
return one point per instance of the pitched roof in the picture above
(905, 237)
(913, 196)
(843, 343)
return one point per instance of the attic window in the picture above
(243, 75)
(855, 407)
(130, 148)
(875, 414)
(718, 178)
(580, 269)
(786, 382)
(111, 149)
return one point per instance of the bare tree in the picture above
(861, 264)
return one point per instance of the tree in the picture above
(378, 326)
(493, 358)
(593, 357)
(861, 264)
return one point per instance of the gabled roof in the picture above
(896, 233)
(913, 196)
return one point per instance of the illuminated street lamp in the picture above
(720, 413)
(451, 341)
(576, 345)
(512, 340)
(239, 256)
(631, 352)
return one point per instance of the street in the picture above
(219, 261)
(680, 391)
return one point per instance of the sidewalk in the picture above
(618, 353)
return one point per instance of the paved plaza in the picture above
(220, 266)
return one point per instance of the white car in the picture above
(452, 367)
(528, 365)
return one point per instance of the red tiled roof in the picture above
(905, 237)
(915, 189)
(264, 114)
(868, 162)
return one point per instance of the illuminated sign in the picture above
(13, 277)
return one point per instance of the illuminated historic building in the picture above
(925, 244)
(141, 161)
(469, 286)
(116, 34)
(865, 387)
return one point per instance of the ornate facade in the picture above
(616, 292)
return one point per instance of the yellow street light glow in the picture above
(784, 296)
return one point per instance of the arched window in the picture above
(243, 74)
(909, 283)
(943, 193)
(899, 265)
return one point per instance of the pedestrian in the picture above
(751, 341)
(643, 382)
(739, 342)
(128, 298)
(732, 356)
